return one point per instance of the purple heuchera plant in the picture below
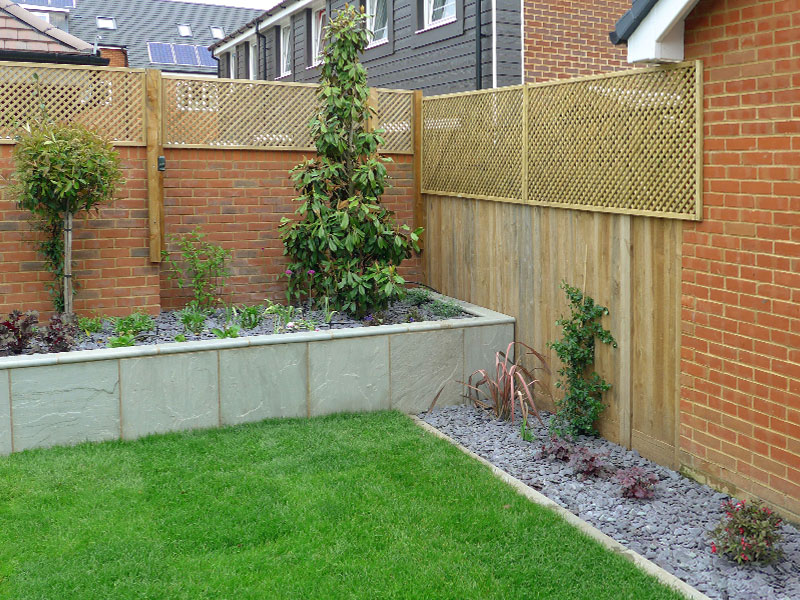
(557, 448)
(636, 482)
(587, 464)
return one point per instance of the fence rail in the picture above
(627, 143)
(195, 112)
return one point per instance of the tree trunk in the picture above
(68, 264)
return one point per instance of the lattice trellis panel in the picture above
(472, 144)
(204, 112)
(109, 101)
(395, 118)
(625, 143)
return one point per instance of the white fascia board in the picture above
(659, 37)
(262, 26)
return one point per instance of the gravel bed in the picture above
(168, 326)
(670, 529)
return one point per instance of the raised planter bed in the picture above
(107, 394)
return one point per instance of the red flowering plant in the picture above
(748, 533)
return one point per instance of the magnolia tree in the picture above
(345, 246)
(62, 170)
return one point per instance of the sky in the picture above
(260, 4)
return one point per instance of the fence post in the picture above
(525, 159)
(373, 116)
(155, 148)
(420, 216)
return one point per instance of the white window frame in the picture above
(110, 23)
(44, 16)
(428, 15)
(317, 24)
(217, 33)
(253, 66)
(232, 65)
(184, 30)
(286, 50)
(372, 11)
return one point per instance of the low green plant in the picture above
(418, 296)
(249, 317)
(180, 338)
(283, 314)
(375, 319)
(299, 324)
(203, 267)
(326, 309)
(192, 319)
(525, 432)
(134, 323)
(122, 340)
(445, 308)
(414, 316)
(583, 388)
(231, 331)
(748, 533)
(90, 325)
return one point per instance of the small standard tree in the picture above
(62, 170)
(345, 246)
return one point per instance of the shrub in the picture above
(17, 330)
(511, 385)
(345, 245)
(62, 170)
(59, 335)
(582, 402)
(203, 267)
(636, 482)
(748, 533)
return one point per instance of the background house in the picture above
(27, 37)
(430, 45)
(158, 34)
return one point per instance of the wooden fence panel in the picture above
(512, 258)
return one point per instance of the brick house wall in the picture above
(117, 57)
(566, 38)
(740, 396)
(236, 196)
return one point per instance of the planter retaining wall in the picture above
(96, 395)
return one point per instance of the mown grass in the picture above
(364, 506)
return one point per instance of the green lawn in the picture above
(363, 506)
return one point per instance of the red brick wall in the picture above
(238, 197)
(117, 57)
(566, 38)
(740, 400)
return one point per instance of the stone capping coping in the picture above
(484, 317)
(609, 543)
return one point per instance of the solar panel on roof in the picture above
(161, 53)
(185, 54)
(206, 58)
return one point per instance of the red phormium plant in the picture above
(17, 330)
(748, 533)
(511, 386)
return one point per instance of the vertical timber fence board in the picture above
(154, 98)
(419, 204)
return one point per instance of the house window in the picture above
(185, 30)
(45, 16)
(286, 50)
(318, 24)
(106, 23)
(378, 20)
(217, 33)
(253, 61)
(438, 12)
(232, 65)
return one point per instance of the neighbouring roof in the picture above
(277, 6)
(25, 32)
(141, 21)
(628, 23)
